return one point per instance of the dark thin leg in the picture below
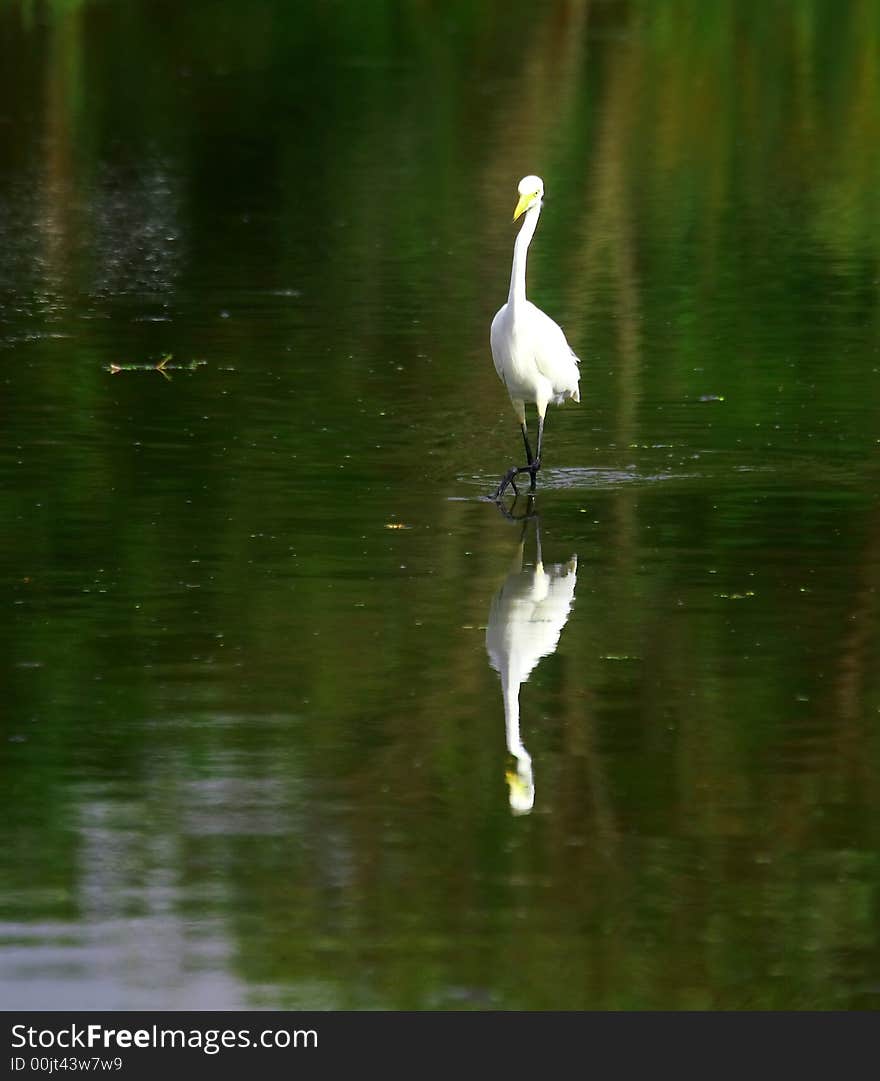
(509, 478)
(535, 463)
(529, 456)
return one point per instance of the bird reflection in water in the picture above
(526, 617)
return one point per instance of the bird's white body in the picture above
(532, 357)
(525, 620)
(530, 351)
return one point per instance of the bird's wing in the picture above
(555, 358)
(497, 340)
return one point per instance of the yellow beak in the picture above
(525, 201)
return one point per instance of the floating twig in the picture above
(163, 365)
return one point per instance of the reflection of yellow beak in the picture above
(520, 796)
(525, 201)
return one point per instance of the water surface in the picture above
(254, 744)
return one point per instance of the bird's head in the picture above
(531, 192)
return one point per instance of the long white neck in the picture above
(510, 691)
(517, 294)
(521, 784)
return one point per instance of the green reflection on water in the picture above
(253, 750)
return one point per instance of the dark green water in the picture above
(253, 747)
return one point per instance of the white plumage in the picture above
(530, 351)
(525, 620)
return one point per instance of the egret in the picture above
(531, 355)
(526, 618)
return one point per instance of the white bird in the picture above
(532, 357)
(526, 617)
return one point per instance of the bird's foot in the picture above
(509, 479)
